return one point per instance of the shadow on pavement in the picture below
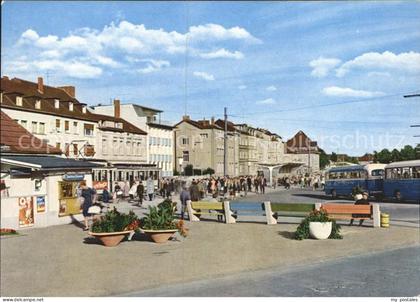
(287, 234)
(76, 222)
(323, 197)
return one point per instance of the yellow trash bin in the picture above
(385, 220)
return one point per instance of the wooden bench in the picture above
(251, 209)
(300, 210)
(340, 211)
(198, 208)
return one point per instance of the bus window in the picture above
(406, 172)
(377, 172)
(416, 172)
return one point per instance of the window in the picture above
(71, 106)
(185, 141)
(169, 142)
(57, 125)
(34, 127)
(186, 156)
(139, 148)
(75, 128)
(75, 149)
(66, 126)
(67, 149)
(56, 104)
(121, 147)
(24, 124)
(58, 145)
(88, 129)
(41, 128)
(204, 135)
(19, 101)
(38, 104)
(378, 172)
(104, 146)
(89, 150)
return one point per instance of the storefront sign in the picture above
(40, 204)
(73, 177)
(26, 211)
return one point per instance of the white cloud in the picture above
(103, 48)
(349, 92)
(153, 65)
(242, 87)
(379, 74)
(217, 32)
(322, 66)
(223, 53)
(271, 88)
(269, 101)
(204, 75)
(406, 62)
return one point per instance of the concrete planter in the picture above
(111, 239)
(320, 230)
(160, 236)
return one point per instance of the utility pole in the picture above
(225, 166)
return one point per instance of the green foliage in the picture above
(159, 218)
(196, 171)
(407, 153)
(114, 221)
(188, 170)
(302, 232)
(209, 171)
(176, 173)
(356, 190)
(333, 157)
(323, 159)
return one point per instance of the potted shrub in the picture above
(160, 223)
(114, 226)
(319, 226)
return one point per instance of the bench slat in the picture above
(346, 217)
(246, 206)
(292, 207)
(347, 208)
(203, 205)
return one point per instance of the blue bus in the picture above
(340, 181)
(402, 181)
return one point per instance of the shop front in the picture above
(39, 191)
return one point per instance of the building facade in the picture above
(159, 140)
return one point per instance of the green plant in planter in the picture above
(162, 218)
(302, 231)
(114, 221)
(167, 204)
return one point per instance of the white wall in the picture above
(25, 187)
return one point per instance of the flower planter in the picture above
(111, 239)
(160, 236)
(320, 230)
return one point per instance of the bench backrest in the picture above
(337, 208)
(292, 207)
(207, 205)
(247, 206)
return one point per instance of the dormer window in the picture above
(1, 97)
(56, 104)
(71, 106)
(84, 109)
(19, 101)
(38, 104)
(118, 125)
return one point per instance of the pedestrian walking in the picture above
(140, 192)
(150, 188)
(87, 194)
(184, 196)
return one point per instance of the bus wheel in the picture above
(333, 194)
(397, 195)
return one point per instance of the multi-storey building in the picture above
(159, 149)
(54, 115)
(201, 144)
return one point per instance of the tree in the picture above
(333, 157)
(418, 151)
(384, 156)
(323, 159)
(408, 153)
(395, 155)
(209, 171)
(188, 170)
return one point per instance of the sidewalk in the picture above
(64, 261)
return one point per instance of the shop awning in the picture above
(47, 162)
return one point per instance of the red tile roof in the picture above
(30, 93)
(16, 139)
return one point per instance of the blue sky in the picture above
(335, 70)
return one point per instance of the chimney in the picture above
(40, 84)
(185, 117)
(70, 90)
(117, 108)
